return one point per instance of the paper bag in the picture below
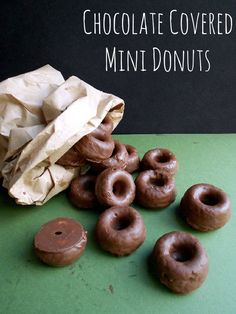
(73, 110)
(21, 98)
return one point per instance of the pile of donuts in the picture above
(178, 258)
(109, 181)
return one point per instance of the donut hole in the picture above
(58, 232)
(121, 223)
(119, 188)
(210, 199)
(183, 252)
(162, 158)
(158, 181)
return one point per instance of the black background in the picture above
(34, 33)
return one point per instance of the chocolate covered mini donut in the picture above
(71, 158)
(155, 189)
(160, 159)
(60, 242)
(180, 262)
(82, 191)
(205, 207)
(118, 159)
(107, 124)
(96, 146)
(133, 159)
(115, 187)
(120, 230)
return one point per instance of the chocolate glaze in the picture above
(96, 146)
(72, 158)
(118, 159)
(82, 191)
(120, 230)
(115, 187)
(180, 262)
(107, 124)
(60, 242)
(160, 159)
(133, 159)
(155, 189)
(205, 207)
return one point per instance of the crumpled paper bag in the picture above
(51, 121)
(21, 99)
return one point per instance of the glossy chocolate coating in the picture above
(82, 191)
(180, 262)
(120, 230)
(96, 146)
(160, 159)
(60, 242)
(72, 158)
(115, 187)
(118, 159)
(107, 124)
(205, 207)
(133, 159)
(155, 189)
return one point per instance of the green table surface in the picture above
(101, 283)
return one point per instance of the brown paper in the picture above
(21, 99)
(72, 110)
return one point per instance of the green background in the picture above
(101, 283)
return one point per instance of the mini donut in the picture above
(205, 207)
(115, 187)
(133, 159)
(82, 191)
(120, 230)
(118, 159)
(155, 189)
(71, 158)
(107, 124)
(160, 159)
(180, 261)
(60, 242)
(96, 146)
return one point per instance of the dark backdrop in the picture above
(34, 33)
